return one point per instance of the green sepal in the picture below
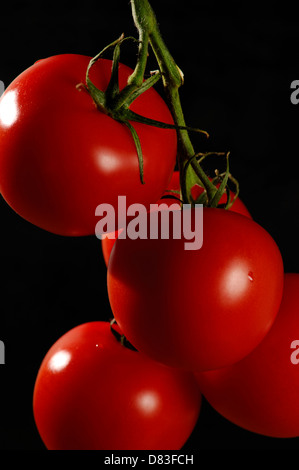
(138, 148)
(132, 116)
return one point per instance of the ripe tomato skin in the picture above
(198, 309)
(108, 240)
(107, 243)
(260, 393)
(174, 185)
(60, 157)
(92, 393)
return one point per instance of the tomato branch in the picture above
(146, 24)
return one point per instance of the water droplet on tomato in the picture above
(250, 276)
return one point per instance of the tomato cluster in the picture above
(216, 321)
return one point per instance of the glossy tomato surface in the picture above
(198, 309)
(60, 157)
(261, 392)
(108, 239)
(93, 393)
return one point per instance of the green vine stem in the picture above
(147, 26)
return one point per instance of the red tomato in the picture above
(60, 157)
(107, 244)
(93, 393)
(174, 185)
(198, 309)
(260, 393)
(108, 240)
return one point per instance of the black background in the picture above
(238, 65)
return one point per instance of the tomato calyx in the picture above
(221, 181)
(116, 103)
(120, 336)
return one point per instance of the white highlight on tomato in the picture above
(236, 280)
(59, 361)
(8, 108)
(108, 162)
(148, 402)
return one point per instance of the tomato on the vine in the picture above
(60, 157)
(238, 205)
(260, 393)
(173, 188)
(94, 393)
(198, 309)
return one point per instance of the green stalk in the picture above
(146, 24)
